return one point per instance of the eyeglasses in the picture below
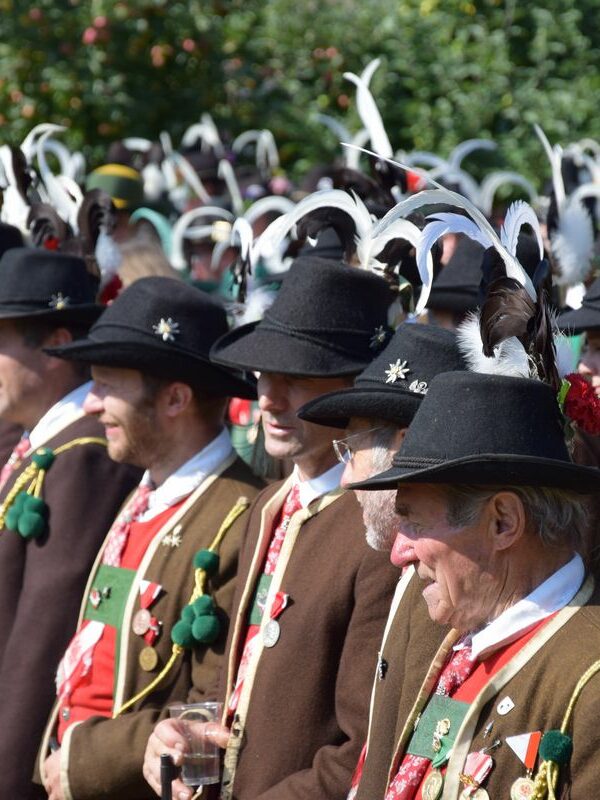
(346, 448)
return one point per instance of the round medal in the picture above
(480, 794)
(522, 789)
(141, 621)
(433, 785)
(271, 633)
(148, 659)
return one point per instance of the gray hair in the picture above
(558, 516)
(381, 443)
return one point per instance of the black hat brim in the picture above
(487, 469)
(160, 362)
(579, 320)
(335, 409)
(251, 347)
(82, 314)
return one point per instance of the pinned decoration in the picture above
(505, 706)
(166, 329)
(379, 338)
(198, 622)
(525, 747)
(420, 387)
(59, 301)
(397, 371)
(580, 404)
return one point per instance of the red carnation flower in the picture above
(51, 243)
(582, 405)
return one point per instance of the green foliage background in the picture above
(451, 70)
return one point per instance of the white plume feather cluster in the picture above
(509, 359)
(573, 243)
(368, 111)
(108, 256)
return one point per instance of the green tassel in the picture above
(203, 605)
(188, 615)
(31, 525)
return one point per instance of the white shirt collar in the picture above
(61, 414)
(312, 488)
(188, 477)
(547, 598)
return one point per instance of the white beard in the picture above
(379, 511)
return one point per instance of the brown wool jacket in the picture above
(103, 758)
(540, 681)
(408, 620)
(41, 583)
(302, 716)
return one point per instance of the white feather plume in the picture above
(177, 259)
(242, 236)
(352, 157)
(339, 130)
(518, 215)
(65, 205)
(138, 143)
(510, 357)
(494, 180)
(15, 208)
(467, 184)
(425, 158)
(572, 242)
(463, 149)
(228, 175)
(368, 111)
(555, 158)
(266, 205)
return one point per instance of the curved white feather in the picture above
(467, 147)
(554, 157)
(228, 175)
(61, 152)
(273, 235)
(352, 157)
(244, 139)
(417, 157)
(267, 155)
(179, 228)
(265, 205)
(458, 224)
(191, 177)
(370, 116)
(468, 186)
(520, 213)
(72, 188)
(29, 142)
(339, 130)
(369, 71)
(137, 143)
(590, 144)
(494, 180)
(242, 236)
(573, 243)
(63, 203)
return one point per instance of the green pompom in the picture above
(36, 505)
(43, 457)
(207, 560)
(203, 605)
(206, 629)
(188, 615)
(11, 521)
(31, 525)
(182, 635)
(19, 501)
(556, 746)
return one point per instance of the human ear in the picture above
(507, 518)
(178, 397)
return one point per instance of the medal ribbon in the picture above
(149, 592)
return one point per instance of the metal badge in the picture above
(522, 789)
(433, 785)
(271, 633)
(148, 659)
(141, 621)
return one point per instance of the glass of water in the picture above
(201, 759)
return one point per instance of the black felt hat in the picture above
(456, 288)
(326, 321)
(486, 429)
(585, 318)
(394, 384)
(41, 283)
(165, 328)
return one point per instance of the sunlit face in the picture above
(286, 435)
(22, 376)
(120, 400)
(379, 515)
(589, 365)
(456, 564)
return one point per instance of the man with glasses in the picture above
(377, 411)
(312, 597)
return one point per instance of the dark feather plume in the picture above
(45, 223)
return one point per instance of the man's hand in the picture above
(169, 737)
(51, 776)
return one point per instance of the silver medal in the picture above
(271, 633)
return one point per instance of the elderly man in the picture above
(142, 640)
(492, 516)
(377, 411)
(312, 596)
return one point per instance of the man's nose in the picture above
(93, 403)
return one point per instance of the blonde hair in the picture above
(143, 257)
